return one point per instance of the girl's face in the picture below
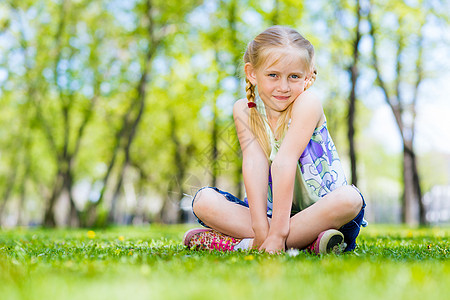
(281, 79)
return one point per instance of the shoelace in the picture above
(221, 245)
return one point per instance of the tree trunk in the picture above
(410, 209)
(351, 131)
(7, 193)
(180, 164)
(237, 57)
(132, 128)
(49, 217)
(116, 195)
(20, 209)
(353, 69)
(412, 212)
(214, 138)
(131, 120)
(132, 125)
(74, 219)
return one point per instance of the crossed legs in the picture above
(331, 212)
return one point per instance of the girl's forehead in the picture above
(288, 57)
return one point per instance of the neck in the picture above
(272, 117)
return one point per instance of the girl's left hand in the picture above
(273, 244)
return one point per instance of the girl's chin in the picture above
(280, 108)
(282, 104)
(277, 105)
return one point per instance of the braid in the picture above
(250, 90)
(256, 122)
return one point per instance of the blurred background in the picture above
(116, 112)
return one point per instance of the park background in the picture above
(116, 112)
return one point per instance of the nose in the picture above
(284, 85)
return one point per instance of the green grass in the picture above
(150, 263)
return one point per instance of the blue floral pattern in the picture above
(320, 164)
(319, 170)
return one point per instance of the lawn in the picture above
(150, 263)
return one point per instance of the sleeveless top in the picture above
(319, 169)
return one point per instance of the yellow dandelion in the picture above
(130, 253)
(121, 238)
(249, 257)
(91, 234)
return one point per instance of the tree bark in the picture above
(180, 162)
(214, 135)
(7, 192)
(23, 183)
(353, 70)
(412, 194)
(49, 217)
(237, 58)
(132, 128)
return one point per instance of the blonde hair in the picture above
(258, 50)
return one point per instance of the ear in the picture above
(250, 73)
(307, 83)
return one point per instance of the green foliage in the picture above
(68, 63)
(389, 263)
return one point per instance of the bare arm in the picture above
(255, 170)
(307, 113)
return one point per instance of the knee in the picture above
(202, 200)
(348, 201)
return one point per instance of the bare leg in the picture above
(331, 212)
(222, 215)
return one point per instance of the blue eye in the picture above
(295, 76)
(272, 75)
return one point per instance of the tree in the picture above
(346, 38)
(39, 91)
(405, 34)
(156, 22)
(76, 56)
(353, 70)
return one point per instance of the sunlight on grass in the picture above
(150, 263)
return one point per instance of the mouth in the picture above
(282, 98)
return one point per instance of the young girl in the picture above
(297, 194)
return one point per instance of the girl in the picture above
(284, 140)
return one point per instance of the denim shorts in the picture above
(349, 230)
(352, 228)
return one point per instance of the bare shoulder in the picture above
(240, 110)
(308, 103)
(250, 148)
(308, 98)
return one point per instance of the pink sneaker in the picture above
(208, 239)
(330, 240)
